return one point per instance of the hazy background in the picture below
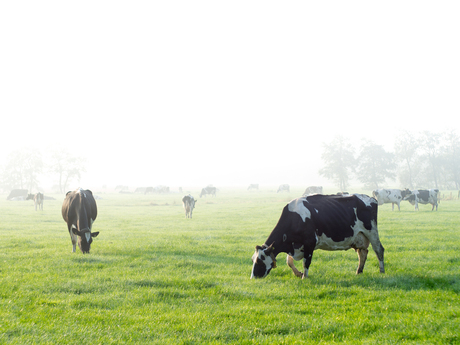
(225, 93)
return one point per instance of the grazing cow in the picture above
(189, 204)
(423, 196)
(253, 186)
(208, 190)
(313, 190)
(79, 211)
(283, 188)
(395, 196)
(328, 222)
(38, 200)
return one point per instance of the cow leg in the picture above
(306, 262)
(290, 263)
(392, 206)
(378, 249)
(73, 238)
(362, 254)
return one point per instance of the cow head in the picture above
(263, 261)
(85, 238)
(406, 193)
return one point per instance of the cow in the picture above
(79, 211)
(283, 188)
(313, 190)
(38, 200)
(17, 194)
(423, 196)
(328, 222)
(208, 190)
(189, 204)
(395, 196)
(253, 186)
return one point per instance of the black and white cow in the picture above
(38, 200)
(283, 188)
(189, 204)
(423, 196)
(328, 222)
(395, 196)
(253, 186)
(313, 190)
(208, 190)
(18, 194)
(79, 211)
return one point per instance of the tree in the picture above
(22, 169)
(67, 166)
(406, 152)
(451, 162)
(431, 157)
(339, 161)
(374, 165)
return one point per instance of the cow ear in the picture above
(94, 234)
(258, 248)
(76, 232)
(270, 249)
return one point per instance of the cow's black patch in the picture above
(332, 216)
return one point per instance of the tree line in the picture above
(419, 160)
(24, 167)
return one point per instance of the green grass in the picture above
(155, 277)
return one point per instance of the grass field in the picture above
(154, 277)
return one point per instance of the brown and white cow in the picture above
(328, 222)
(38, 200)
(79, 211)
(189, 204)
(395, 196)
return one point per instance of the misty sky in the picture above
(225, 93)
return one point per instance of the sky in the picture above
(222, 92)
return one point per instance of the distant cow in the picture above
(328, 222)
(79, 211)
(208, 190)
(423, 196)
(253, 186)
(189, 204)
(313, 190)
(17, 194)
(38, 200)
(395, 196)
(283, 188)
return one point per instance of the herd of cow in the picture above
(313, 221)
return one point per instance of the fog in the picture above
(191, 93)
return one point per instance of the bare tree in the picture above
(339, 161)
(431, 157)
(451, 153)
(374, 165)
(22, 169)
(67, 167)
(406, 152)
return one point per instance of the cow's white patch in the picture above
(367, 200)
(88, 236)
(298, 254)
(298, 207)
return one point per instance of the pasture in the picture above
(155, 277)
